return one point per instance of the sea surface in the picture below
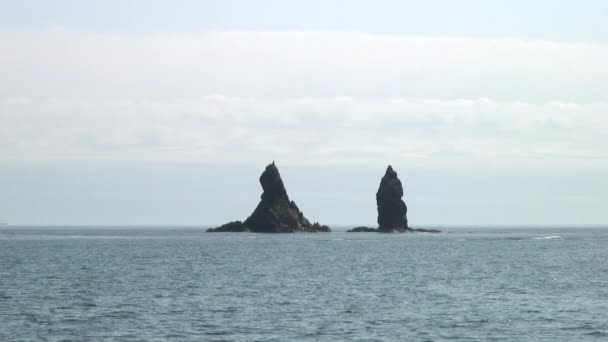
(182, 284)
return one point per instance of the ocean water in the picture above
(182, 284)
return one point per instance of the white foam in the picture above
(552, 237)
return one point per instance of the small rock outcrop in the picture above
(234, 227)
(316, 228)
(362, 230)
(422, 230)
(275, 213)
(392, 211)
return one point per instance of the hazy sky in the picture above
(166, 112)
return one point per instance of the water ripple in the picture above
(185, 285)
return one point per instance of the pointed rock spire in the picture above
(392, 211)
(272, 185)
(275, 213)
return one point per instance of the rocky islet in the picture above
(392, 210)
(276, 213)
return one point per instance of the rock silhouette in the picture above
(235, 227)
(362, 230)
(275, 213)
(392, 211)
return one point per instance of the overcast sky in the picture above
(166, 112)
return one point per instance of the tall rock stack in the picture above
(275, 213)
(392, 211)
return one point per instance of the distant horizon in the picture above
(333, 226)
(132, 193)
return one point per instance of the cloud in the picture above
(303, 98)
(434, 133)
(300, 64)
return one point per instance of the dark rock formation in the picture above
(392, 211)
(408, 230)
(362, 230)
(421, 230)
(235, 227)
(275, 213)
(316, 228)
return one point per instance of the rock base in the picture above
(400, 230)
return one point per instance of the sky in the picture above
(165, 112)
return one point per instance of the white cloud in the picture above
(293, 64)
(303, 98)
(313, 130)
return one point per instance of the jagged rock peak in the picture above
(275, 213)
(392, 211)
(272, 185)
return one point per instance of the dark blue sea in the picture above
(182, 284)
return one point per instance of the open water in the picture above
(170, 284)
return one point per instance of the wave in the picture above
(552, 237)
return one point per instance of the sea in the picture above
(183, 284)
